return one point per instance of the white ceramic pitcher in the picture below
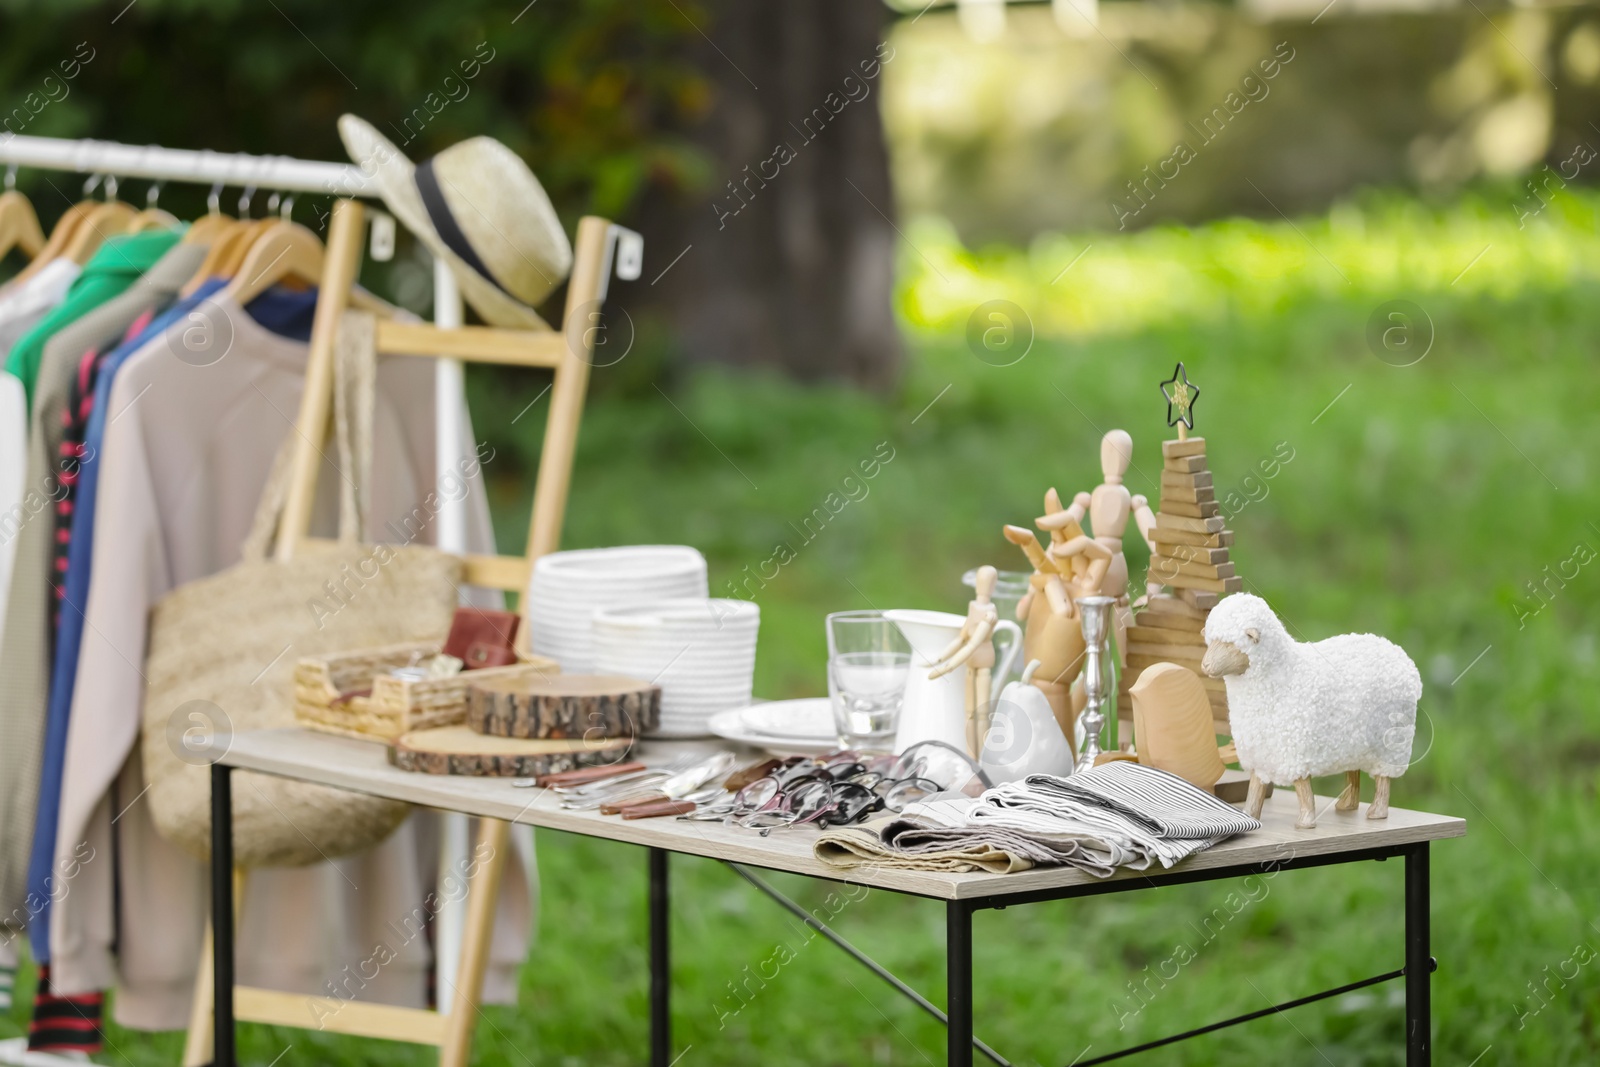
(936, 710)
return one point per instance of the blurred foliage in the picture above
(1053, 124)
(1245, 270)
(591, 92)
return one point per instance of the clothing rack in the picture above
(617, 249)
(89, 156)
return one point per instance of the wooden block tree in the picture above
(1191, 569)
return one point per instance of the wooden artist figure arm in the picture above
(1145, 519)
(965, 645)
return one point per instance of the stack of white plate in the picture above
(569, 587)
(802, 727)
(702, 653)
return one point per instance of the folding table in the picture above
(364, 767)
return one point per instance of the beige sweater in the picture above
(185, 456)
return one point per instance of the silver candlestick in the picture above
(1095, 611)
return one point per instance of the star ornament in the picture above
(1181, 394)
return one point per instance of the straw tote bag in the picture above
(223, 651)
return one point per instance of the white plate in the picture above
(792, 720)
(730, 724)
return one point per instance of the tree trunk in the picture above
(784, 256)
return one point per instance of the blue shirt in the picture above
(284, 312)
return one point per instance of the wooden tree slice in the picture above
(565, 706)
(458, 750)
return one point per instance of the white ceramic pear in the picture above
(1024, 737)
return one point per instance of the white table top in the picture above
(364, 767)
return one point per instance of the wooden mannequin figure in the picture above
(974, 648)
(1108, 508)
(1052, 632)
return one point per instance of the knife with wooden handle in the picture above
(677, 787)
(655, 809)
(588, 774)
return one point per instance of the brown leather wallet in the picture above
(484, 655)
(481, 638)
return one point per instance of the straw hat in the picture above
(477, 206)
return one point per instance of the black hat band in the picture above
(445, 225)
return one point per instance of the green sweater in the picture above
(110, 271)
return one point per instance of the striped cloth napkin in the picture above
(1138, 808)
(1119, 815)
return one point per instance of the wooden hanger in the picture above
(240, 249)
(106, 220)
(55, 247)
(205, 229)
(225, 236)
(282, 250)
(288, 250)
(19, 225)
(209, 227)
(152, 218)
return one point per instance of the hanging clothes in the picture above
(288, 315)
(13, 468)
(24, 303)
(25, 649)
(110, 271)
(13, 475)
(185, 451)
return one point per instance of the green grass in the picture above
(1419, 503)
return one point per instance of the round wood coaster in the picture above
(564, 706)
(458, 750)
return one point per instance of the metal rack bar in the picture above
(90, 156)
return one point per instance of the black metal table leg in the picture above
(958, 970)
(1419, 963)
(660, 963)
(222, 1047)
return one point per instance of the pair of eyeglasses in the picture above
(834, 790)
(765, 804)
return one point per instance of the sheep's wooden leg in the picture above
(1256, 797)
(1308, 805)
(1350, 799)
(1380, 798)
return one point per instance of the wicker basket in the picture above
(396, 705)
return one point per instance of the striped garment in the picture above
(74, 426)
(65, 1023)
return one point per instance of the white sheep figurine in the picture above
(1297, 710)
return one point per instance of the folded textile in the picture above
(1169, 805)
(1120, 815)
(902, 844)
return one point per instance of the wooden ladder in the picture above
(567, 354)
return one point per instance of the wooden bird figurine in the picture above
(1172, 728)
(974, 648)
